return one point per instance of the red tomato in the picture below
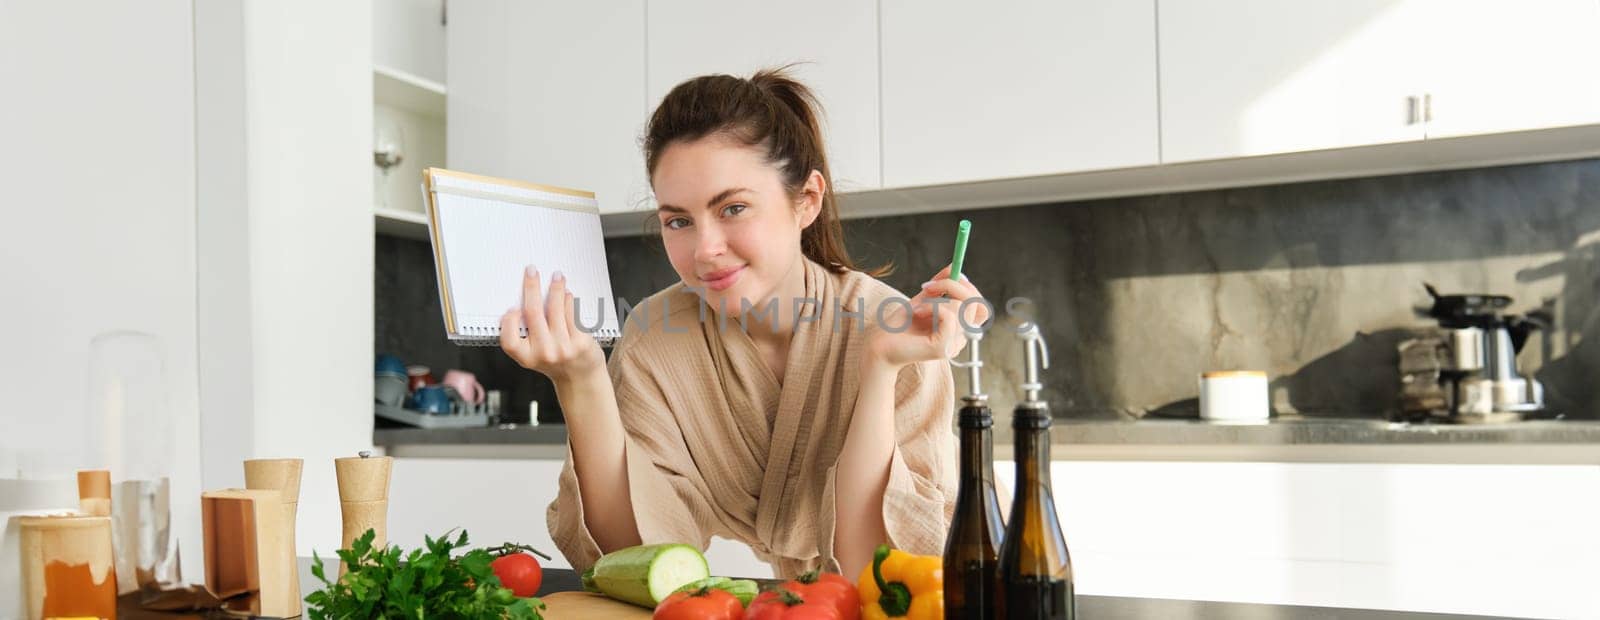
(520, 572)
(782, 604)
(702, 604)
(825, 588)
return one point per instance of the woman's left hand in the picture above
(933, 327)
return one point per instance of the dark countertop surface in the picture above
(1089, 607)
(550, 434)
(1116, 607)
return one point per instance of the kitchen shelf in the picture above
(397, 223)
(393, 87)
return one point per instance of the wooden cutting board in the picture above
(583, 605)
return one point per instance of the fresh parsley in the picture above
(426, 583)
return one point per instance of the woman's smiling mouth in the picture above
(722, 279)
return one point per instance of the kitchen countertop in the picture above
(1284, 431)
(1299, 430)
(1286, 439)
(1098, 607)
(554, 434)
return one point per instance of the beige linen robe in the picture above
(717, 447)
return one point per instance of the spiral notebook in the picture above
(485, 231)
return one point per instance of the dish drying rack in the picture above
(462, 415)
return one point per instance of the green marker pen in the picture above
(961, 249)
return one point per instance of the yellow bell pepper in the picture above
(902, 585)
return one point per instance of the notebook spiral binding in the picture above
(480, 336)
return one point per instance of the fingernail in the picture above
(558, 277)
(964, 278)
(533, 272)
(927, 284)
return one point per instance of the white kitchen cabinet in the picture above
(409, 36)
(989, 91)
(1256, 77)
(836, 39)
(550, 92)
(1496, 66)
(1397, 536)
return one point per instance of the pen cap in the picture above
(959, 254)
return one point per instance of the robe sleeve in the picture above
(667, 493)
(920, 495)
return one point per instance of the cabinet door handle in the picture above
(1413, 114)
(1427, 107)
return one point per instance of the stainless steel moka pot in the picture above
(1476, 358)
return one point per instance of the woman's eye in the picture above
(677, 223)
(733, 209)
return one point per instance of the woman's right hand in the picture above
(553, 346)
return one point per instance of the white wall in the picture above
(407, 35)
(97, 157)
(250, 264)
(285, 309)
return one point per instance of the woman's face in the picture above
(728, 224)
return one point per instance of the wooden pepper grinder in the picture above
(67, 567)
(283, 476)
(94, 492)
(363, 498)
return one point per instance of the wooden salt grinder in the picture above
(363, 498)
(283, 476)
(94, 492)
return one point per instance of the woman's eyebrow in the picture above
(721, 196)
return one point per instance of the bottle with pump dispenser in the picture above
(1035, 569)
(972, 550)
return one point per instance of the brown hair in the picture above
(770, 111)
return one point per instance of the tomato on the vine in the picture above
(518, 571)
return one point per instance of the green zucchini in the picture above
(743, 589)
(647, 574)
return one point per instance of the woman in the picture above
(776, 396)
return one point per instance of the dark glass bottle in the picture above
(972, 550)
(1035, 570)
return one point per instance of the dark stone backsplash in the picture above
(1316, 283)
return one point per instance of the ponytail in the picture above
(775, 113)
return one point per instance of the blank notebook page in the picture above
(485, 231)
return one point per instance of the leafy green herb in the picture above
(426, 583)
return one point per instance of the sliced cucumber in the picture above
(647, 574)
(708, 582)
(743, 589)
